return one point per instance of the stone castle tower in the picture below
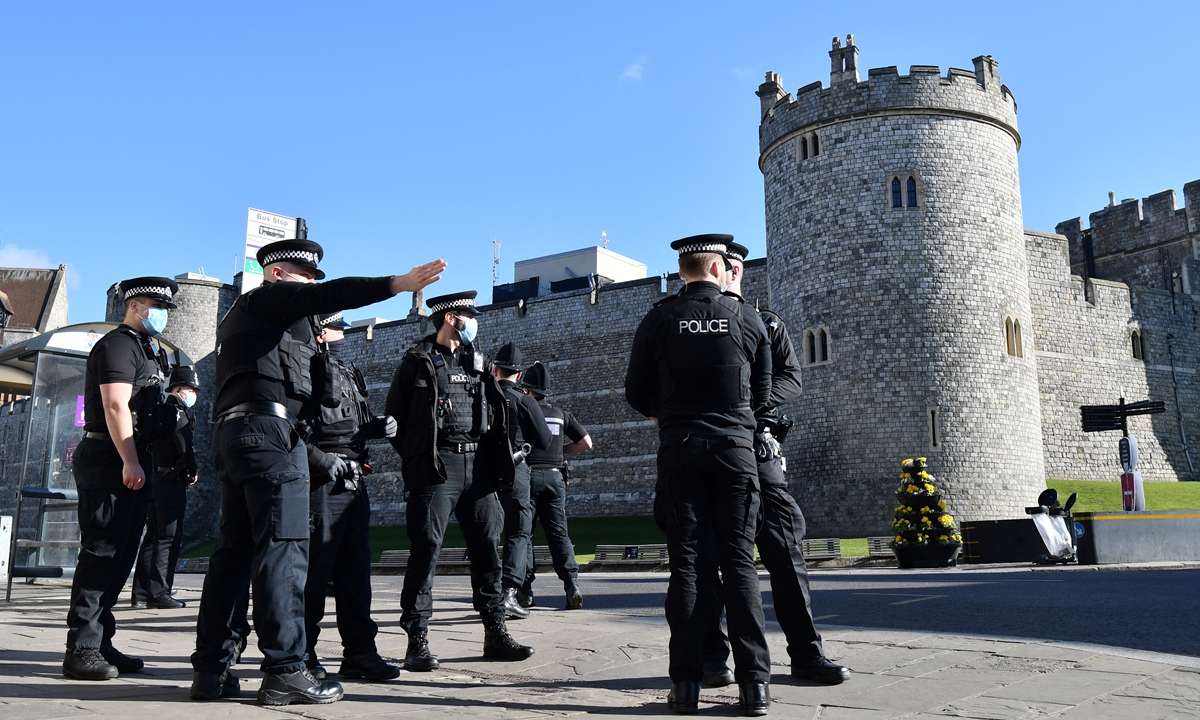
(897, 257)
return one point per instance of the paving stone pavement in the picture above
(595, 663)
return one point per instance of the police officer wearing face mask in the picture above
(527, 432)
(453, 442)
(701, 366)
(265, 392)
(782, 528)
(124, 412)
(174, 473)
(548, 488)
(339, 548)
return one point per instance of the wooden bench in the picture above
(879, 547)
(192, 565)
(451, 561)
(630, 555)
(821, 549)
(542, 556)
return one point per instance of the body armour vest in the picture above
(705, 366)
(249, 344)
(461, 411)
(147, 401)
(551, 457)
(343, 408)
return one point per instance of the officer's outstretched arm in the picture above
(419, 277)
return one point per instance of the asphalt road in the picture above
(1155, 610)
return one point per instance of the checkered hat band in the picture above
(734, 255)
(305, 257)
(703, 248)
(335, 318)
(148, 290)
(450, 305)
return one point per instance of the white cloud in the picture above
(19, 257)
(633, 72)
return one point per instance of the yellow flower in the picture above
(899, 538)
(906, 462)
(929, 488)
(926, 509)
(905, 476)
(946, 521)
(923, 475)
(941, 504)
(921, 459)
(911, 488)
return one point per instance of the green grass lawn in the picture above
(1105, 496)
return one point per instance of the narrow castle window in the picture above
(897, 200)
(810, 346)
(822, 346)
(912, 191)
(803, 148)
(816, 145)
(1009, 344)
(1139, 345)
(935, 430)
(1017, 337)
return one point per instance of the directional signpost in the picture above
(263, 228)
(1099, 418)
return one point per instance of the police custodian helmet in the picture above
(298, 252)
(508, 357)
(156, 288)
(186, 376)
(537, 379)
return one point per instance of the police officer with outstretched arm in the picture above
(781, 531)
(701, 366)
(174, 472)
(124, 411)
(339, 548)
(455, 452)
(265, 391)
(548, 488)
(527, 431)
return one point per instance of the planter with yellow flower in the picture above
(924, 534)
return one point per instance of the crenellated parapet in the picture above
(973, 94)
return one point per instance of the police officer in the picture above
(782, 527)
(174, 472)
(527, 425)
(339, 547)
(264, 392)
(700, 366)
(548, 488)
(124, 411)
(454, 447)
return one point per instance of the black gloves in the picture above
(383, 426)
(331, 467)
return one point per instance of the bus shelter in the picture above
(47, 373)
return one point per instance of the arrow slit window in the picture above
(1138, 342)
(935, 428)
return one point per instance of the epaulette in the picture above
(770, 318)
(735, 296)
(666, 300)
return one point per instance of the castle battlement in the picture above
(973, 94)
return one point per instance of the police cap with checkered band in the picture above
(463, 302)
(298, 252)
(737, 251)
(157, 288)
(711, 243)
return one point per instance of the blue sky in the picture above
(133, 137)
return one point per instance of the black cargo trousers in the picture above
(155, 573)
(472, 499)
(518, 528)
(262, 465)
(548, 493)
(707, 503)
(111, 518)
(780, 533)
(340, 550)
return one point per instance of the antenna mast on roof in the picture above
(604, 239)
(495, 262)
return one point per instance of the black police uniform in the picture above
(527, 424)
(174, 473)
(548, 487)
(701, 364)
(455, 453)
(264, 377)
(112, 516)
(339, 546)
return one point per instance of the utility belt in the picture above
(458, 448)
(89, 435)
(264, 408)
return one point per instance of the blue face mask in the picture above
(188, 399)
(155, 320)
(468, 330)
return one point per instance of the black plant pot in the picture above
(934, 555)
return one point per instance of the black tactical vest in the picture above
(551, 457)
(249, 344)
(343, 408)
(461, 411)
(705, 366)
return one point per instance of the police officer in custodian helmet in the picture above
(701, 366)
(124, 412)
(781, 532)
(455, 453)
(264, 392)
(340, 549)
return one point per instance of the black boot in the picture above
(165, 602)
(717, 674)
(574, 597)
(418, 658)
(122, 662)
(210, 686)
(85, 663)
(821, 670)
(754, 698)
(512, 608)
(525, 598)
(498, 644)
(684, 698)
(367, 667)
(316, 669)
(297, 687)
